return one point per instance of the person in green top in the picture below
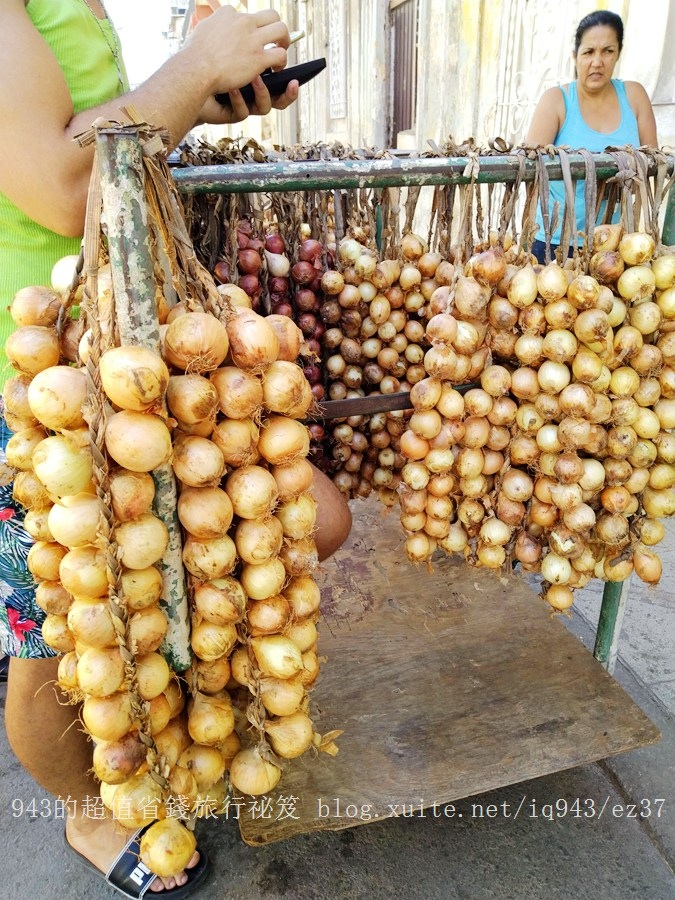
(61, 68)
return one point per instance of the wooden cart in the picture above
(446, 683)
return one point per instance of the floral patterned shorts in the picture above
(20, 616)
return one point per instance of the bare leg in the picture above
(49, 742)
(333, 520)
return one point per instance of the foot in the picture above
(102, 840)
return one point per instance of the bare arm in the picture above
(224, 52)
(642, 107)
(548, 118)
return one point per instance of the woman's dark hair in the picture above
(599, 17)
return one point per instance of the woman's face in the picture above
(596, 57)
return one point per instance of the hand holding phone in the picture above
(277, 82)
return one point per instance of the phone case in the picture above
(277, 82)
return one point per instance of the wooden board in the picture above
(447, 684)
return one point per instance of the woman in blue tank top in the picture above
(594, 112)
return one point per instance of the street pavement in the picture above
(557, 848)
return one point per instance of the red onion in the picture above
(319, 391)
(312, 346)
(249, 261)
(274, 242)
(315, 284)
(283, 309)
(317, 432)
(305, 300)
(310, 250)
(312, 373)
(255, 244)
(250, 284)
(221, 271)
(243, 234)
(320, 329)
(307, 324)
(303, 272)
(278, 285)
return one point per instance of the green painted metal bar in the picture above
(377, 173)
(668, 235)
(614, 597)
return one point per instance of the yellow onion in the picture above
(237, 440)
(167, 847)
(19, 448)
(221, 601)
(197, 461)
(205, 512)
(138, 441)
(52, 598)
(264, 579)
(210, 719)
(141, 542)
(282, 696)
(283, 440)
(56, 634)
(560, 597)
(107, 718)
(146, 629)
(253, 492)
(196, 342)
(44, 560)
(647, 565)
(56, 397)
(253, 343)
(556, 569)
(253, 775)
(75, 520)
(62, 466)
(303, 594)
(210, 641)
(192, 398)
(207, 764)
(290, 736)
(141, 587)
(116, 761)
(133, 377)
(83, 572)
(35, 305)
(100, 671)
(138, 801)
(131, 493)
(239, 393)
(636, 248)
(259, 540)
(277, 656)
(33, 348)
(212, 675)
(209, 559)
(285, 389)
(293, 479)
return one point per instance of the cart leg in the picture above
(614, 599)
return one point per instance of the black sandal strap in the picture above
(128, 874)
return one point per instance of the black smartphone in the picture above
(277, 82)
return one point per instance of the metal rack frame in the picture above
(418, 172)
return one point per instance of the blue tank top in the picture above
(577, 134)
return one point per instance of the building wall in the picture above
(482, 66)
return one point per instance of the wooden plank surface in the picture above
(447, 684)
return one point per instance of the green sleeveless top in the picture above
(82, 44)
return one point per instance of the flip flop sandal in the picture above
(132, 878)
